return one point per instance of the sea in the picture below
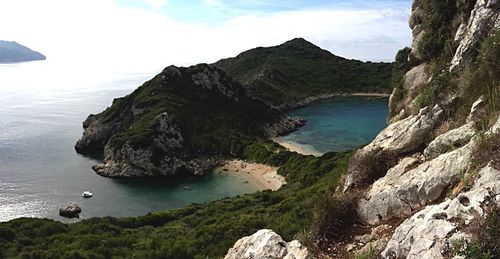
(43, 105)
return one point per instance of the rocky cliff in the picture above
(183, 121)
(432, 177)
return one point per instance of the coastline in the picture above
(312, 99)
(381, 95)
(264, 177)
(294, 147)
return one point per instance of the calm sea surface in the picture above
(339, 124)
(42, 106)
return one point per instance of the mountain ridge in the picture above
(286, 75)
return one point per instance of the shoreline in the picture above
(264, 177)
(381, 95)
(294, 147)
(316, 98)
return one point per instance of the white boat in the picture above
(86, 194)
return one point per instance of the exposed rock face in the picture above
(211, 79)
(431, 231)
(484, 18)
(400, 137)
(267, 245)
(96, 134)
(477, 111)
(414, 80)
(130, 161)
(400, 193)
(283, 126)
(415, 22)
(450, 140)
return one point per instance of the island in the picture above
(13, 52)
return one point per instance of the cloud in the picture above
(103, 33)
(156, 4)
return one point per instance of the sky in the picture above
(154, 33)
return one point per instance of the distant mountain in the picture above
(291, 72)
(12, 52)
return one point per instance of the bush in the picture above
(485, 243)
(438, 36)
(367, 168)
(333, 218)
(487, 151)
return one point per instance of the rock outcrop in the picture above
(71, 211)
(266, 244)
(418, 181)
(400, 193)
(484, 18)
(398, 138)
(450, 140)
(433, 230)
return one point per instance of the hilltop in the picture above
(287, 75)
(184, 121)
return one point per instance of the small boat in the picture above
(86, 194)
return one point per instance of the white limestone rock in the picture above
(430, 231)
(484, 18)
(401, 192)
(399, 137)
(266, 244)
(477, 110)
(450, 140)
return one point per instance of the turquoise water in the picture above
(42, 106)
(41, 114)
(339, 124)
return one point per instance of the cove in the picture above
(341, 123)
(41, 119)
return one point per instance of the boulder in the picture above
(266, 244)
(477, 111)
(70, 211)
(450, 140)
(432, 230)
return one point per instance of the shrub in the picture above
(367, 168)
(437, 39)
(487, 151)
(485, 242)
(333, 218)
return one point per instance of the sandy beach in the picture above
(295, 147)
(263, 176)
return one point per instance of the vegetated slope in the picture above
(430, 180)
(11, 52)
(197, 231)
(182, 121)
(286, 74)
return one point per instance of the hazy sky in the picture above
(182, 32)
